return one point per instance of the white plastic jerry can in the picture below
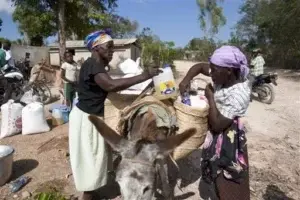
(164, 84)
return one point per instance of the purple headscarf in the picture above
(232, 57)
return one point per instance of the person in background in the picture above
(2, 56)
(224, 160)
(257, 63)
(8, 58)
(90, 158)
(69, 71)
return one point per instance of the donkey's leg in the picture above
(163, 173)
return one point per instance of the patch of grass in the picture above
(50, 190)
(49, 196)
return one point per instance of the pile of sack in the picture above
(27, 120)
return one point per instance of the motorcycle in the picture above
(11, 83)
(24, 68)
(12, 86)
(262, 86)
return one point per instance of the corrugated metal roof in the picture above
(80, 43)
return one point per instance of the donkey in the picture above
(143, 153)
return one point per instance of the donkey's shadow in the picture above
(189, 169)
(188, 173)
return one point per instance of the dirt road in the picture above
(273, 141)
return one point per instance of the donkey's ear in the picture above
(169, 144)
(116, 141)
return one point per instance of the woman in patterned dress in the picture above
(224, 161)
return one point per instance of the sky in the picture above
(171, 20)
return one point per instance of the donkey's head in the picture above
(136, 173)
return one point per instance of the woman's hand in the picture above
(153, 71)
(183, 86)
(209, 91)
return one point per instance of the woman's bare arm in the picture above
(216, 120)
(108, 84)
(200, 68)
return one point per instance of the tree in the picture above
(155, 51)
(201, 48)
(0, 24)
(121, 27)
(235, 40)
(41, 19)
(273, 26)
(212, 12)
(61, 28)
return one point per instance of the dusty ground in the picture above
(273, 149)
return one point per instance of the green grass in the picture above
(49, 196)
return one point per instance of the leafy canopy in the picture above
(40, 17)
(211, 12)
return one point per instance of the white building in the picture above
(124, 48)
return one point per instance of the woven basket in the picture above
(114, 103)
(189, 117)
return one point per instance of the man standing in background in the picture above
(257, 63)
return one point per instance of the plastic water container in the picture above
(60, 115)
(164, 84)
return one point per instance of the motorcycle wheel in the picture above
(266, 93)
(14, 93)
(44, 92)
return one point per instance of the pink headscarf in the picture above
(232, 57)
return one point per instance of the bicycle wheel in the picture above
(44, 92)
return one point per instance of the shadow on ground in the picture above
(22, 167)
(274, 193)
(189, 172)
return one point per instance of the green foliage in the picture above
(121, 27)
(236, 41)
(199, 49)
(0, 24)
(2, 40)
(49, 196)
(212, 12)
(39, 19)
(274, 27)
(155, 51)
(35, 20)
(17, 41)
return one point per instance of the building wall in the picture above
(36, 53)
(120, 54)
(135, 52)
(79, 53)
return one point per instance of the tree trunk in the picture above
(61, 38)
(61, 29)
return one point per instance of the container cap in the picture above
(166, 65)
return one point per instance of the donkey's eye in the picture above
(146, 189)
